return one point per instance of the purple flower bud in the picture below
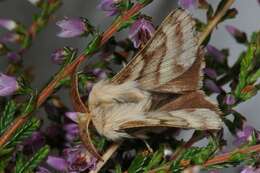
(109, 6)
(57, 163)
(8, 85)
(210, 73)
(229, 99)
(72, 131)
(72, 27)
(237, 34)
(141, 31)
(250, 169)
(212, 86)
(231, 29)
(58, 56)
(72, 116)
(8, 24)
(217, 54)
(244, 135)
(79, 159)
(10, 38)
(14, 57)
(42, 170)
(187, 4)
(35, 142)
(99, 73)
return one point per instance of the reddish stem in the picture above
(225, 157)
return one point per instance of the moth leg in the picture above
(147, 146)
(143, 138)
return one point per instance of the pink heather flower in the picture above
(72, 27)
(8, 85)
(212, 86)
(237, 34)
(10, 37)
(8, 24)
(75, 159)
(244, 135)
(250, 169)
(99, 73)
(217, 54)
(79, 159)
(109, 6)
(72, 131)
(33, 143)
(72, 116)
(210, 73)
(231, 29)
(14, 57)
(141, 31)
(58, 56)
(58, 163)
(187, 4)
(229, 99)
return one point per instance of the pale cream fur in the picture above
(112, 105)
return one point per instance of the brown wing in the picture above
(196, 99)
(164, 64)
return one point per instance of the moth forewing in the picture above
(169, 53)
(171, 62)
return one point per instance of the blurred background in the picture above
(248, 20)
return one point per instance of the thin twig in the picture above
(213, 23)
(218, 159)
(225, 157)
(110, 151)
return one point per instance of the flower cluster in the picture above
(74, 159)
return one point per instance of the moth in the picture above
(159, 87)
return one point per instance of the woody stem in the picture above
(213, 23)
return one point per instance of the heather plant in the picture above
(54, 143)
